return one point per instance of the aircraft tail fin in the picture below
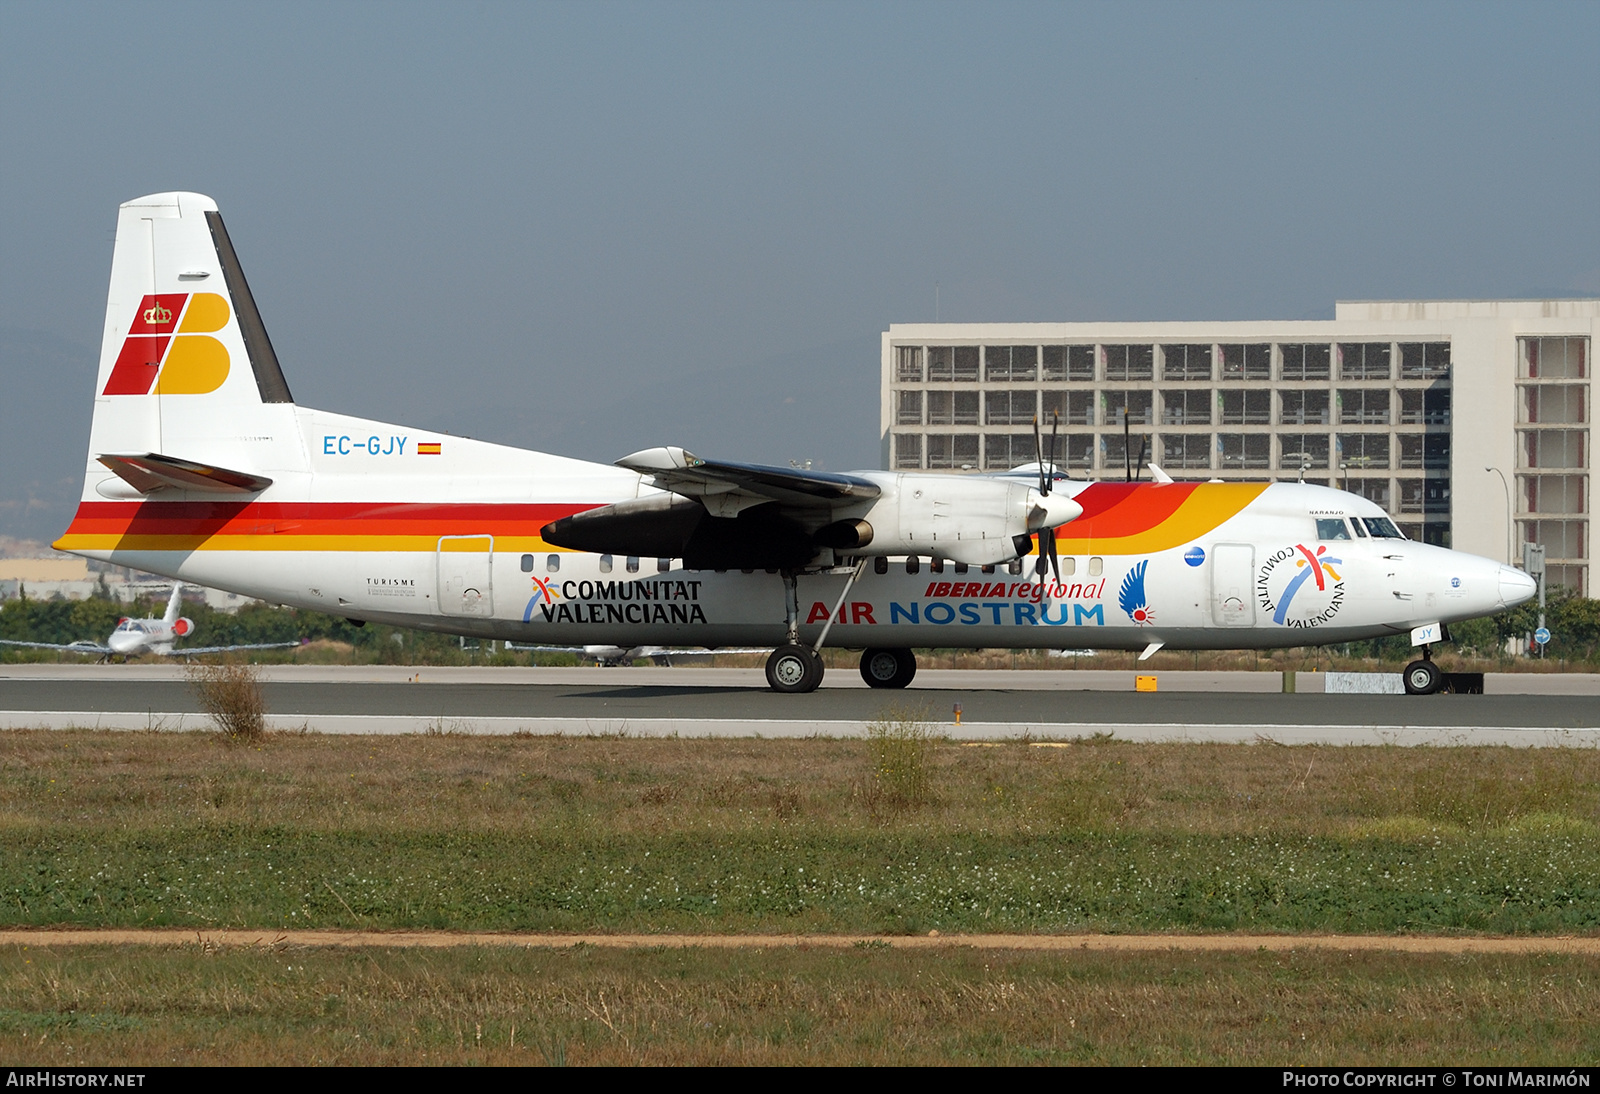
(174, 604)
(188, 377)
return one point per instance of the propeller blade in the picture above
(1143, 443)
(1038, 456)
(1127, 449)
(1055, 556)
(1055, 426)
(1039, 564)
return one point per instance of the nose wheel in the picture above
(1423, 677)
(888, 668)
(794, 669)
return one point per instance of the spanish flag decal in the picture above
(429, 448)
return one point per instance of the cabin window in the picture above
(1014, 567)
(663, 565)
(633, 564)
(605, 564)
(913, 564)
(880, 565)
(1097, 566)
(552, 564)
(936, 565)
(988, 569)
(1331, 528)
(1069, 566)
(961, 567)
(527, 564)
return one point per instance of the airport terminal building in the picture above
(1468, 420)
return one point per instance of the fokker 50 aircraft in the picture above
(135, 636)
(202, 467)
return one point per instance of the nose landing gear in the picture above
(1423, 677)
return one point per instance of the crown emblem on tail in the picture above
(157, 315)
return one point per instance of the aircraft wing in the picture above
(70, 647)
(715, 515)
(191, 651)
(688, 475)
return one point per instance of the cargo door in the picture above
(1233, 567)
(464, 575)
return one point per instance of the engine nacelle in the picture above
(979, 521)
(183, 626)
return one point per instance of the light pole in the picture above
(1509, 523)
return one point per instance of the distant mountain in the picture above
(45, 404)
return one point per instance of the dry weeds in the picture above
(289, 1005)
(644, 786)
(230, 692)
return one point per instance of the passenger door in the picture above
(465, 564)
(1233, 567)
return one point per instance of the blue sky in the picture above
(591, 228)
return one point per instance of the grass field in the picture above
(607, 834)
(896, 836)
(870, 1004)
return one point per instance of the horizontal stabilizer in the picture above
(151, 472)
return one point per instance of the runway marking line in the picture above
(1214, 943)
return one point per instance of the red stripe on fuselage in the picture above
(1115, 509)
(210, 518)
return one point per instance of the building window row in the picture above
(1188, 362)
(1199, 406)
(1351, 453)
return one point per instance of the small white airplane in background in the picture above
(139, 636)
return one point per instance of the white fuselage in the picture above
(449, 542)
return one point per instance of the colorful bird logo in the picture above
(1131, 596)
(544, 588)
(1319, 565)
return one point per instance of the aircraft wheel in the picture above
(1423, 678)
(888, 668)
(794, 669)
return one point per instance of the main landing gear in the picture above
(1423, 677)
(793, 668)
(888, 668)
(796, 669)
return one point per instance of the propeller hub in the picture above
(1051, 510)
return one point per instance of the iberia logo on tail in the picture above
(169, 348)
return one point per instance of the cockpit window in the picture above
(1355, 522)
(1331, 528)
(1382, 528)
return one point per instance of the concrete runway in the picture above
(1520, 709)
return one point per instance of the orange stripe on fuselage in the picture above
(1141, 518)
(279, 526)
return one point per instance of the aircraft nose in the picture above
(1515, 587)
